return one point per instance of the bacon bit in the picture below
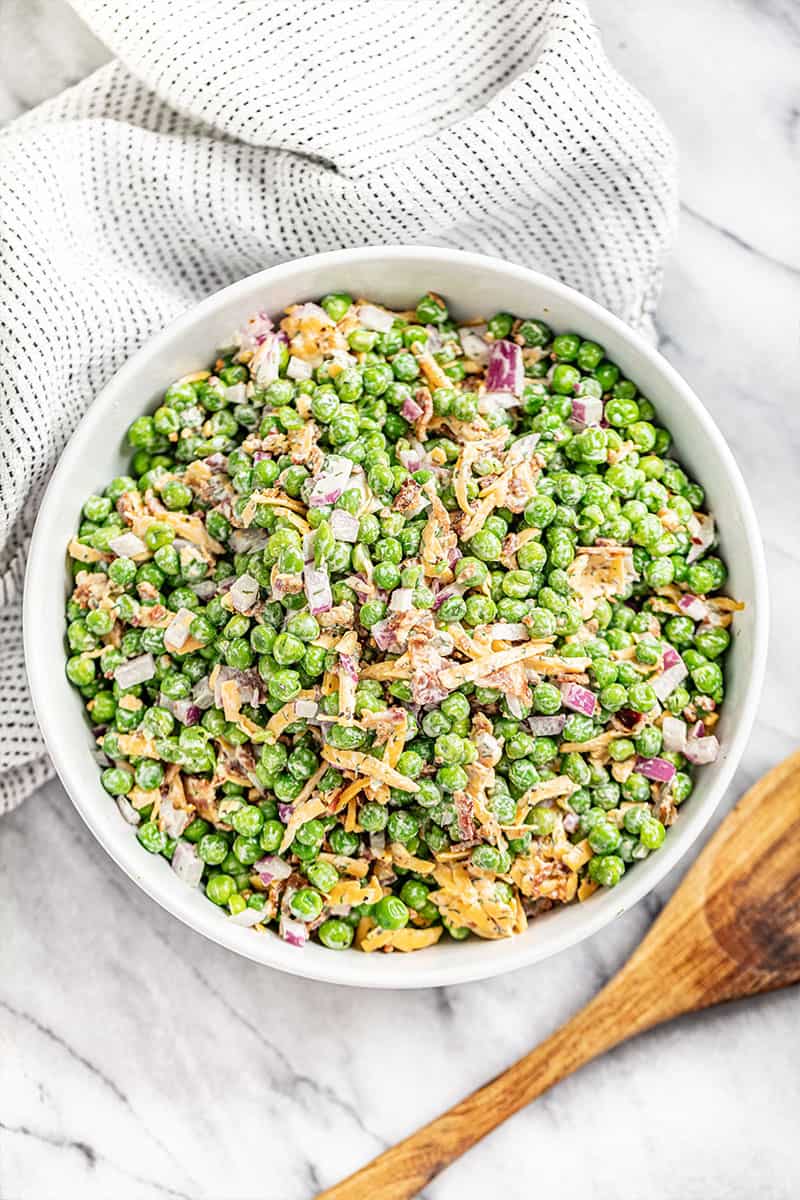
(426, 667)
(464, 811)
(202, 794)
(409, 499)
(94, 590)
(303, 446)
(482, 736)
(341, 616)
(365, 764)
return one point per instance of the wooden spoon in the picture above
(732, 929)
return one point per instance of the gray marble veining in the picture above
(140, 1061)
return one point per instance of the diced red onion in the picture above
(402, 600)
(492, 401)
(247, 541)
(314, 312)
(434, 343)
(266, 360)
(658, 769)
(411, 410)
(292, 931)
(202, 695)
(508, 631)
(384, 635)
(578, 698)
(177, 631)
(244, 593)
(271, 867)
(701, 531)
(586, 410)
(128, 811)
(693, 606)
(344, 525)
(571, 822)
(506, 370)
(457, 588)
(127, 545)
(236, 393)
(136, 670)
(298, 368)
(473, 345)
(378, 319)
(673, 731)
(675, 671)
(187, 864)
(216, 462)
(701, 750)
(317, 588)
(411, 459)
(331, 481)
(255, 331)
(547, 726)
(377, 842)
(306, 708)
(204, 589)
(173, 820)
(248, 917)
(186, 711)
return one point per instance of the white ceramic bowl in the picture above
(473, 285)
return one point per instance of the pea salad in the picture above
(399, 628)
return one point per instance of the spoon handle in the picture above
(401, 1172)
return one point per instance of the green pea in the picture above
(391, 913)
(335, 934)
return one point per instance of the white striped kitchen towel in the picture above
(226, 137)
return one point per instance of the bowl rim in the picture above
(359, 971)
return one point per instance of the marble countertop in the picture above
(140, 1061)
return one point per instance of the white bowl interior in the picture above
(473, 285)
